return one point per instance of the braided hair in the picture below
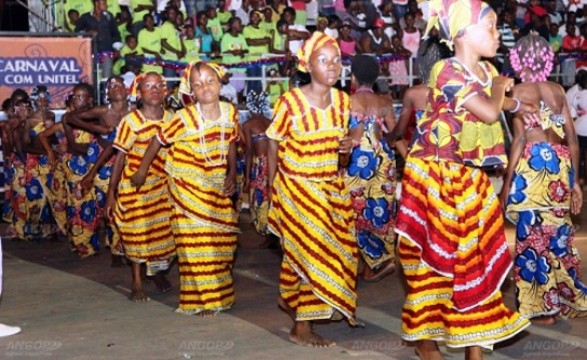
(532, 58)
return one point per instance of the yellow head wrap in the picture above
(185, 87)
(317, 40)
(451, 17)
(133, 90)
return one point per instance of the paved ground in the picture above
(78, 309)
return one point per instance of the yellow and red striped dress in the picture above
(311, 208)
(143, 216)
(204, 221)
(452, 243)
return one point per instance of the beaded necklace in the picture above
(201, 129)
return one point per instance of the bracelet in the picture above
(518, 104)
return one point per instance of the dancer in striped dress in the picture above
(142, 216)
(201, 169)
(311, 208)
(452, 243)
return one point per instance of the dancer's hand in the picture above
(138, 179)
(345, 145)
(576, 199)
(503, 82)
(86, 183)
(108, 209)
(503, 196)
(229, 186)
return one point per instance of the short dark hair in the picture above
(87, 87)
(365, 69)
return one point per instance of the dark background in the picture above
(13, 16)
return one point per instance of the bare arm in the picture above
(113, 185)
(138, 179)
(572, 142)
(487, 110)
(88, 179)
(73, 147)
(44, 140)
(249, 152)
(230, 182)
(515, 153)
(271, 165)
(80, 119)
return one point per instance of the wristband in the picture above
(518, 104)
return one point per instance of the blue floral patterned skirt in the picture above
(546, 263)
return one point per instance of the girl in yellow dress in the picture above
(142, 216)
(311, 208)
(201, 169)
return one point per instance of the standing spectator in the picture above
(234, 47)
(411, 35)
(102, 25)
(80, 6)
(204, 36)
(172, 47)
(508, 35)
(140, 8)
(214, 25)
(296, 33)
(571, 43)
(150, 45)
(258, 41)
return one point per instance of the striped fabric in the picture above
(311, 210)
(454, 255)
(143, 216)
(204, 223)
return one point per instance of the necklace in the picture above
(364, 89)
(201, 129)
(473, 75)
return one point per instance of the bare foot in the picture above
(302, 334)
(208, 313)
(138, 295)
(473, 353)
(428, 350)
(382, 271)
(544, 320)
(117, 261)
(163, 285)
(286, 308)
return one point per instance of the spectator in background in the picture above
(140, 8)
(124, 22)
(411, 34)
(114, 8)
(375, 41)
(508, 35)
(346, 42)
(571, 42)
(386, 13)
(333, 25)
(205, 37)
(413, 9)
(172, 47)
(73, 17)
(179, 4)
(556, 39)
(258, 41)
(81, 6)
(301, 13)
(577, 99)
(555, 16)
(326, 7)
(234, 47)
(296, 33)
(214, 25)
(102, 25)
(150, 44)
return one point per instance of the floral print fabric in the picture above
(371, 179)
(546, 263)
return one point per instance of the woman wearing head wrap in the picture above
(256, 161)
(370, 175)
(451, 234)
(310, 209)
(542, 190)
(142, 216)
(201, 169)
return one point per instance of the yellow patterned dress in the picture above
(204, 221)
(143, 216)
(311, 208)
(452, 243)
(547, 265)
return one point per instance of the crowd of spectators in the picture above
(169, 32)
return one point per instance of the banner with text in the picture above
(56, 62)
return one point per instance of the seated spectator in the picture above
(375, 41)
(346, 42)
(130, 53)
(419, 21)
(386, 13)
(356, 19)
(140, 8)
(296, 33)
(556, 40)
(333, 25)
(192, 47)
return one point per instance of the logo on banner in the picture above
(48, 71)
